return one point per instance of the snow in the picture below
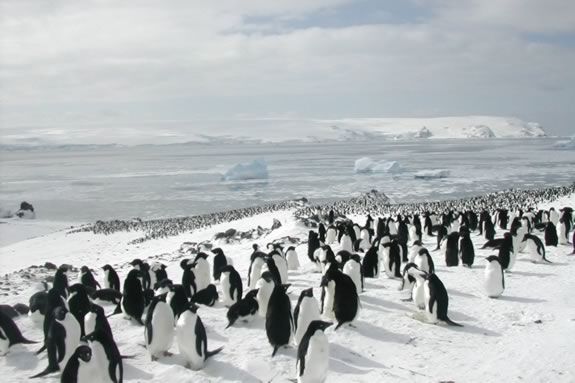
(522, 336)
(368, 165)
(257, 169)
(431, 174)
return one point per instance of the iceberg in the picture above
(431, 174)
(255, 170)
(367, 165)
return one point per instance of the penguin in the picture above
(143, 275)
(159, 327)
(466, 249)
(352, 268)
(534, 243)
(321, 232)
(79, 304)
(313, 243)
(330, 235)
(10, 334)
(563, 229)
(393, 264)
(306, 311)
(208, 296)
(436, 301)
(133, 300)
(60, 283)
(244, 310)
(325, 256)
(61, 341)
(506, 252)
(313, 354)
(53, 301)
(551, 238)
(175, 296)
(414, 251)
(232, 288)
(279, 319)
(370, 263)
(107, 296)
(423, 261)
(201, 269)
(342, 257)
(494, 281)
(273, 269)
(257, 260)
(87, 278)
(219, 262)
(265, 286)
(111, 279)
(292, 259)
(188, 278)
(452, 249)
(418, 289)
(192, 339)
(157, 273)
(553, 216)
(281, 264)
(441, 234)
(489, 229)
(77, 369)
(37, 304)
(106, 355)
(407, 280)
(96, 320)
(345, 298)
(346, 243)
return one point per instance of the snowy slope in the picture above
(523, 336)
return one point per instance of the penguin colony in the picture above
(80, 344)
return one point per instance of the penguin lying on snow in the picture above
(244, 310)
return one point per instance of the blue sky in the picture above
(67, 65)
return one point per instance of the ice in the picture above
(368, 165)
(255, 170)
(565, 144)
(432, 174)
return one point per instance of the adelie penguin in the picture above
(281, 264)
(111, 279)
(536, 247)
(370, 263)
(61, 341)
(109, 296)
(452, 250)
(106, 355)
(292, 258)
(305, 312)
(265, 286)
(175, 296)
(231, 283)
(436, 301)
(53, 301)
(159, 327)
(133, 300)
(79, 303)
(60, 283)
(87, 278)
(201, 269)
(77, 369)
(313, 354)
(494, 280)
(417, 284)
(188, 278)
(96, 320)
(423, 261)
(353, 269)
(466, 249)
(143, 275)
(244, 310)
(551, 238)
(345, 298)
(257, 261)
(220, 261)
(279, 319)
(10, 334)
(192, 339)
(208, 296)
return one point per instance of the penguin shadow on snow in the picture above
(521, 299)
(460, 294)
(382, 303)
(374, 332)
(528, 274)
(349, 356)
(132, 372)
(227, 371)
(21, 358)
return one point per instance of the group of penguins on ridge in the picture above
(79, 341)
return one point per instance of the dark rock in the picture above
(276, 225)
(26, 206)
(50, 266)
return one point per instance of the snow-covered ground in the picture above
(523, 336)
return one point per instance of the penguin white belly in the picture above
(163, 329)
(418, 295)
(282, 266)
(202, 273)
(90, 322)
(316, 360)
(308, 312)
(352, 269)
(562, 234)
(422, 263)
(4, 343)
(100, 362)
(255, 273)
(330, 236)
(72, 340)
(346, 243)
(384, 256)
(455, 226)
(329, 300)
(292, 260)
(186, 339)
(106, 279)
(263, 295)
(227, 300)
(493, 281)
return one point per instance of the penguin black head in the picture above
(318, 325)
(137, 264)
(184, 263)
(133, 274)
(84, 352)
(60, 313)
(192, 307)
(423, 251)
(63, 269)
(200, 255)
(164, 286)
(107, 267)
(84, 269)
(96, 309)
(218, 251)
(356, 257)
(267, 276)
(493, 258)
(417, 243)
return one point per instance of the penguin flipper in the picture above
(23, 340)
(48, 370)
(214, 352)
(339, 324)
(42, 349)
(452, 323)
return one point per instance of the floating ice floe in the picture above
(367, 165)
(431, 174)
(255, 170)
(565, 144)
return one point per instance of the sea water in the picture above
(84, 185)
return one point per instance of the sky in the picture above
(78, 69)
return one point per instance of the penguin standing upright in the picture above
(452, 249)
(306, 311)
(256, 263)
(175, 296)
(313, 354)
(418, 290)
(53, 301)
(158, 271)
(494, 281)
(143, 275)
(61, 341)
(79, 303)
(370, 263)
(220, 261)
(345, 299)
(133, 301)
(436, 301)
(279, 319)
(10, 334)
(281, 264)
(96, 320)
(106, 355)
(466, 249)
(60, 283)
(188, 278)
(551, 238)
(111, 279)
(77, 370)
(330, 235)
(506, 252)
(245, 309)
(231, 282)
(292, 258)
(265, 286)
(313, 243)
(353, 269)
(201, 269)
(159, 327)
(87, 278)
(423, 261)
(192, 339)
